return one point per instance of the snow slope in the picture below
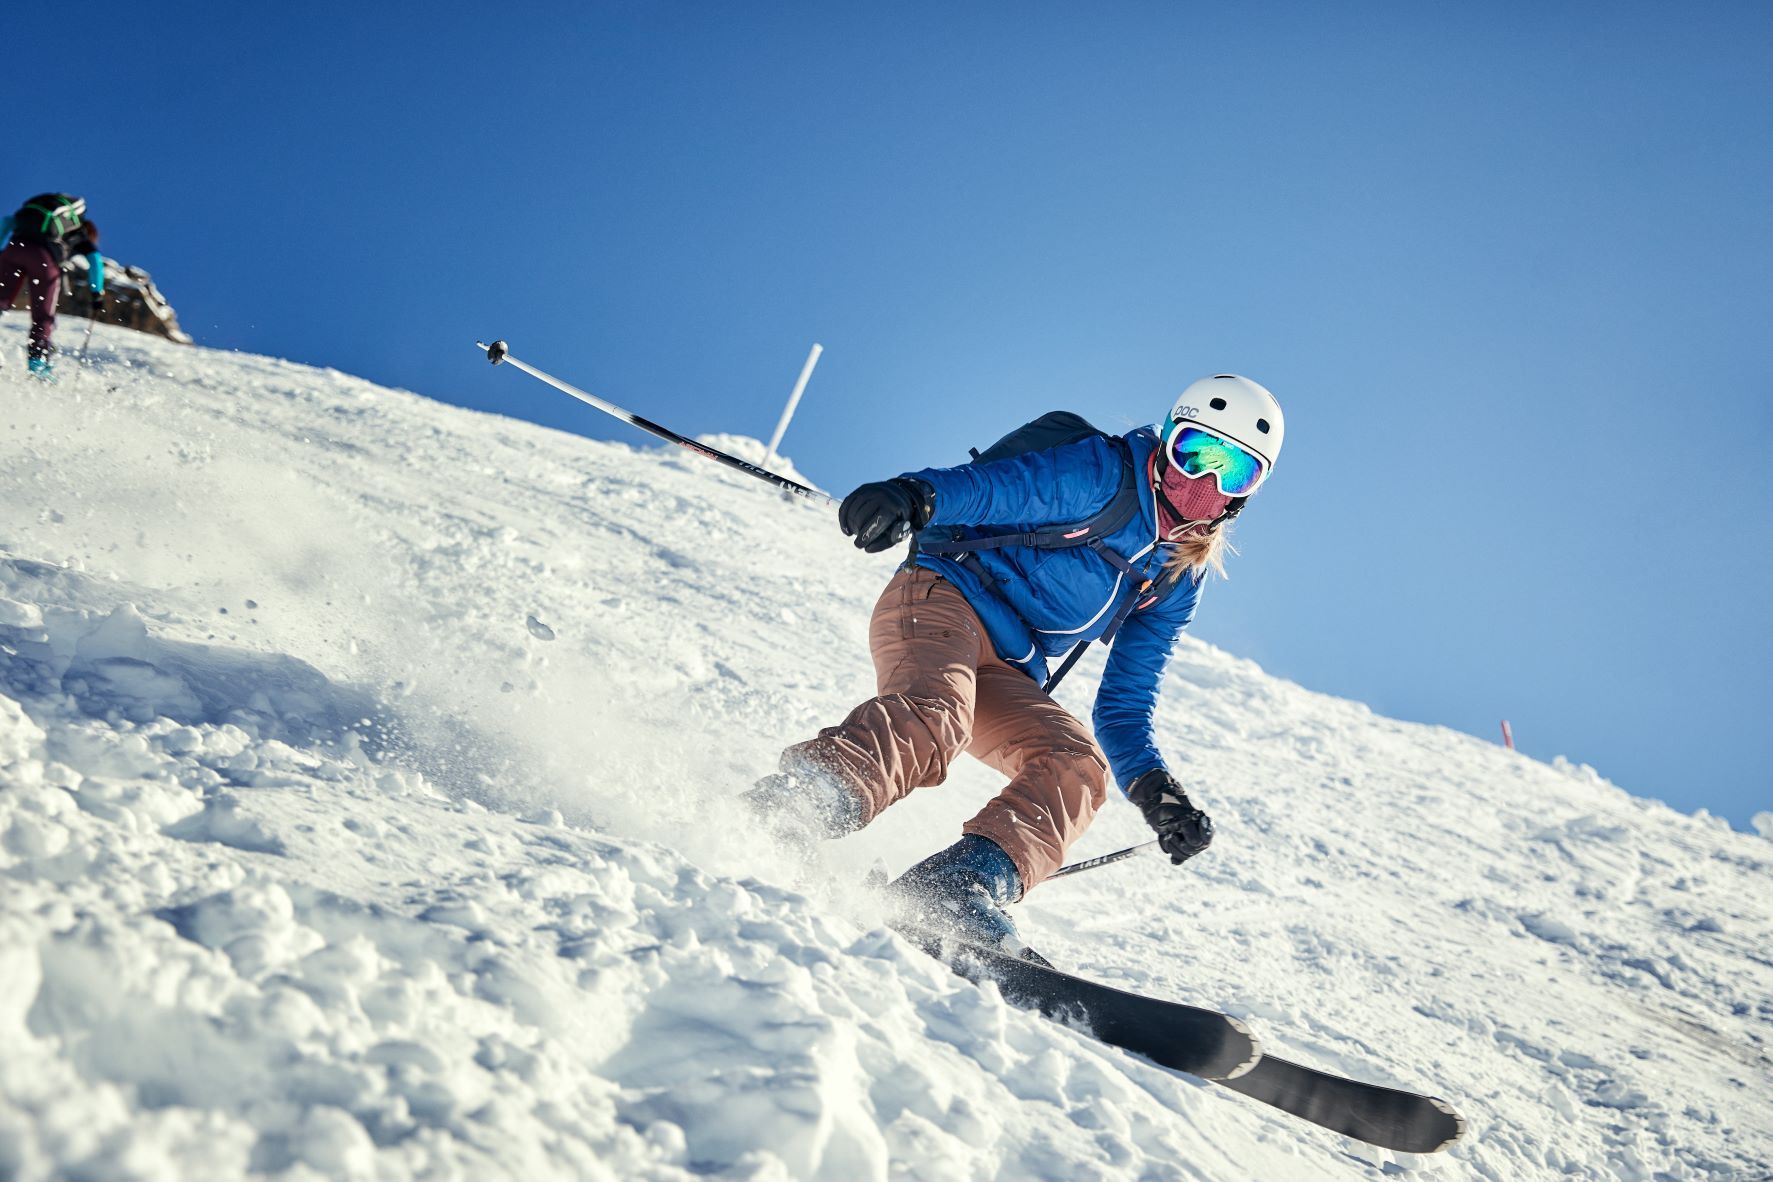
(366, 777)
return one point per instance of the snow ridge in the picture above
(366, 776)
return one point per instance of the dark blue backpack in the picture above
(1055, 429)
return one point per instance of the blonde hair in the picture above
(1200, 551)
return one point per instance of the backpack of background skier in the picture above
(48, 218)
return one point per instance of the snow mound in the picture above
(366, 777)
(755, 451)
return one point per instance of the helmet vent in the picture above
(1218, 404)
(1262, 426)
(1218, 376)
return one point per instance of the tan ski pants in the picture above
(941, 690)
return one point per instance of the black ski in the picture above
(1199, 1041)
(1403, 1121)
(1211, 1045)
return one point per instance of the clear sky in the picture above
(1505, 265)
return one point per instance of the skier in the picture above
(1003, 573)
(39, 238)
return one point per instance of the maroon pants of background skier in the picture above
(26, 264)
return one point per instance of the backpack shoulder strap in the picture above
(1152, 593)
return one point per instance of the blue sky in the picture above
(1504, 264)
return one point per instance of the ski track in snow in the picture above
(366, 810)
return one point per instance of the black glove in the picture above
(1182, 830)
(882, 514)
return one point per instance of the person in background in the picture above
(1018, 558)
(46, 231)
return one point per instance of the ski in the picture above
(1187, 1038)
(1209, 1044)
(1404, 1121)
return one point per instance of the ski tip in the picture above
(495, 352)
(1245, 1067)
(1458, 1122)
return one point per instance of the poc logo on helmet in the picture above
(1186, 412)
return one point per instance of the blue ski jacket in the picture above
(1043, 601)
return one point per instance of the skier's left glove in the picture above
(882, 514)
(1182, 830)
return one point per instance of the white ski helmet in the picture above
(1234, 407)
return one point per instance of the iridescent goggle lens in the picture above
(1197, 451)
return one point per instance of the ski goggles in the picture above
(1196, 451)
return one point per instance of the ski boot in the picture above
(803, 807)
(41, 369)
(959, 894)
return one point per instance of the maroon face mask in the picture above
(1184, 500)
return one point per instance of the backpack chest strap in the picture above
(1045, 539)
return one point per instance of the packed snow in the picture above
(367, 777)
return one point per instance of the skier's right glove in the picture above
(1182, 830)
(884, 513)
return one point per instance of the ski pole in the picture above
(85, 348)
(1105, 859)
(498, 352)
